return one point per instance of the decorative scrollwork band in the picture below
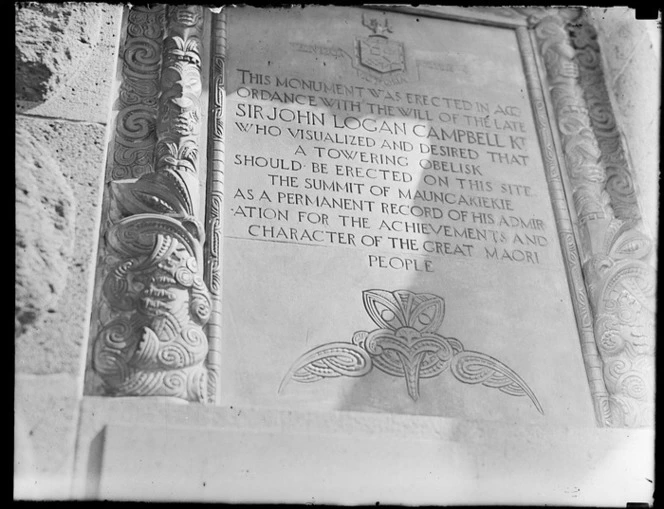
(137, 116)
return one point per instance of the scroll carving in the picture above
(615, 252)
(623, 288)
(137, 102)
(154, 341)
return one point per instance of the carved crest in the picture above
(376, 51)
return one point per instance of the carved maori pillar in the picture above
(614, 250)
(152, 339)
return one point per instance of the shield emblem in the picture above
(381, 55)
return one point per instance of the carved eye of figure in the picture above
(170, 77)
(387, 315)
(138, 284)
(424, 319)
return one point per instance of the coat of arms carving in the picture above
(377, 52)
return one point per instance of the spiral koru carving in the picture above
(406, 345)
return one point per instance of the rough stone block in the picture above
(44, 231)
(638, 84)
(637, 92)
(63, 181)
(632, 61)
(66, 59)
(44, 435)
(619, 33)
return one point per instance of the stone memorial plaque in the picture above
(389, 238)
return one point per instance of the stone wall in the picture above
(631, 52)
(65, 63)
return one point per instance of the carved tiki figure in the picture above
(181, 86)
(156, 346)
(623, 287)
(186, 15)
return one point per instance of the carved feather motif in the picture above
(329, 361)
(478, 368)
(406, 345)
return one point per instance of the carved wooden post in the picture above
(613, 249)
(153, 341)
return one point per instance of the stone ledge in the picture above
(46, 417)
(268, 455)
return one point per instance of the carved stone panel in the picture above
(396, 237)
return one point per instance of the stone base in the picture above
(148, 450)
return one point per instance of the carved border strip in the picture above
(619, 181)
(591, 358)
(135, 134)
(215, 196)
(132, 148)
(614, 251)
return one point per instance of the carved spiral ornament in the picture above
(142, 57)
(146, 21)
(137, 125)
